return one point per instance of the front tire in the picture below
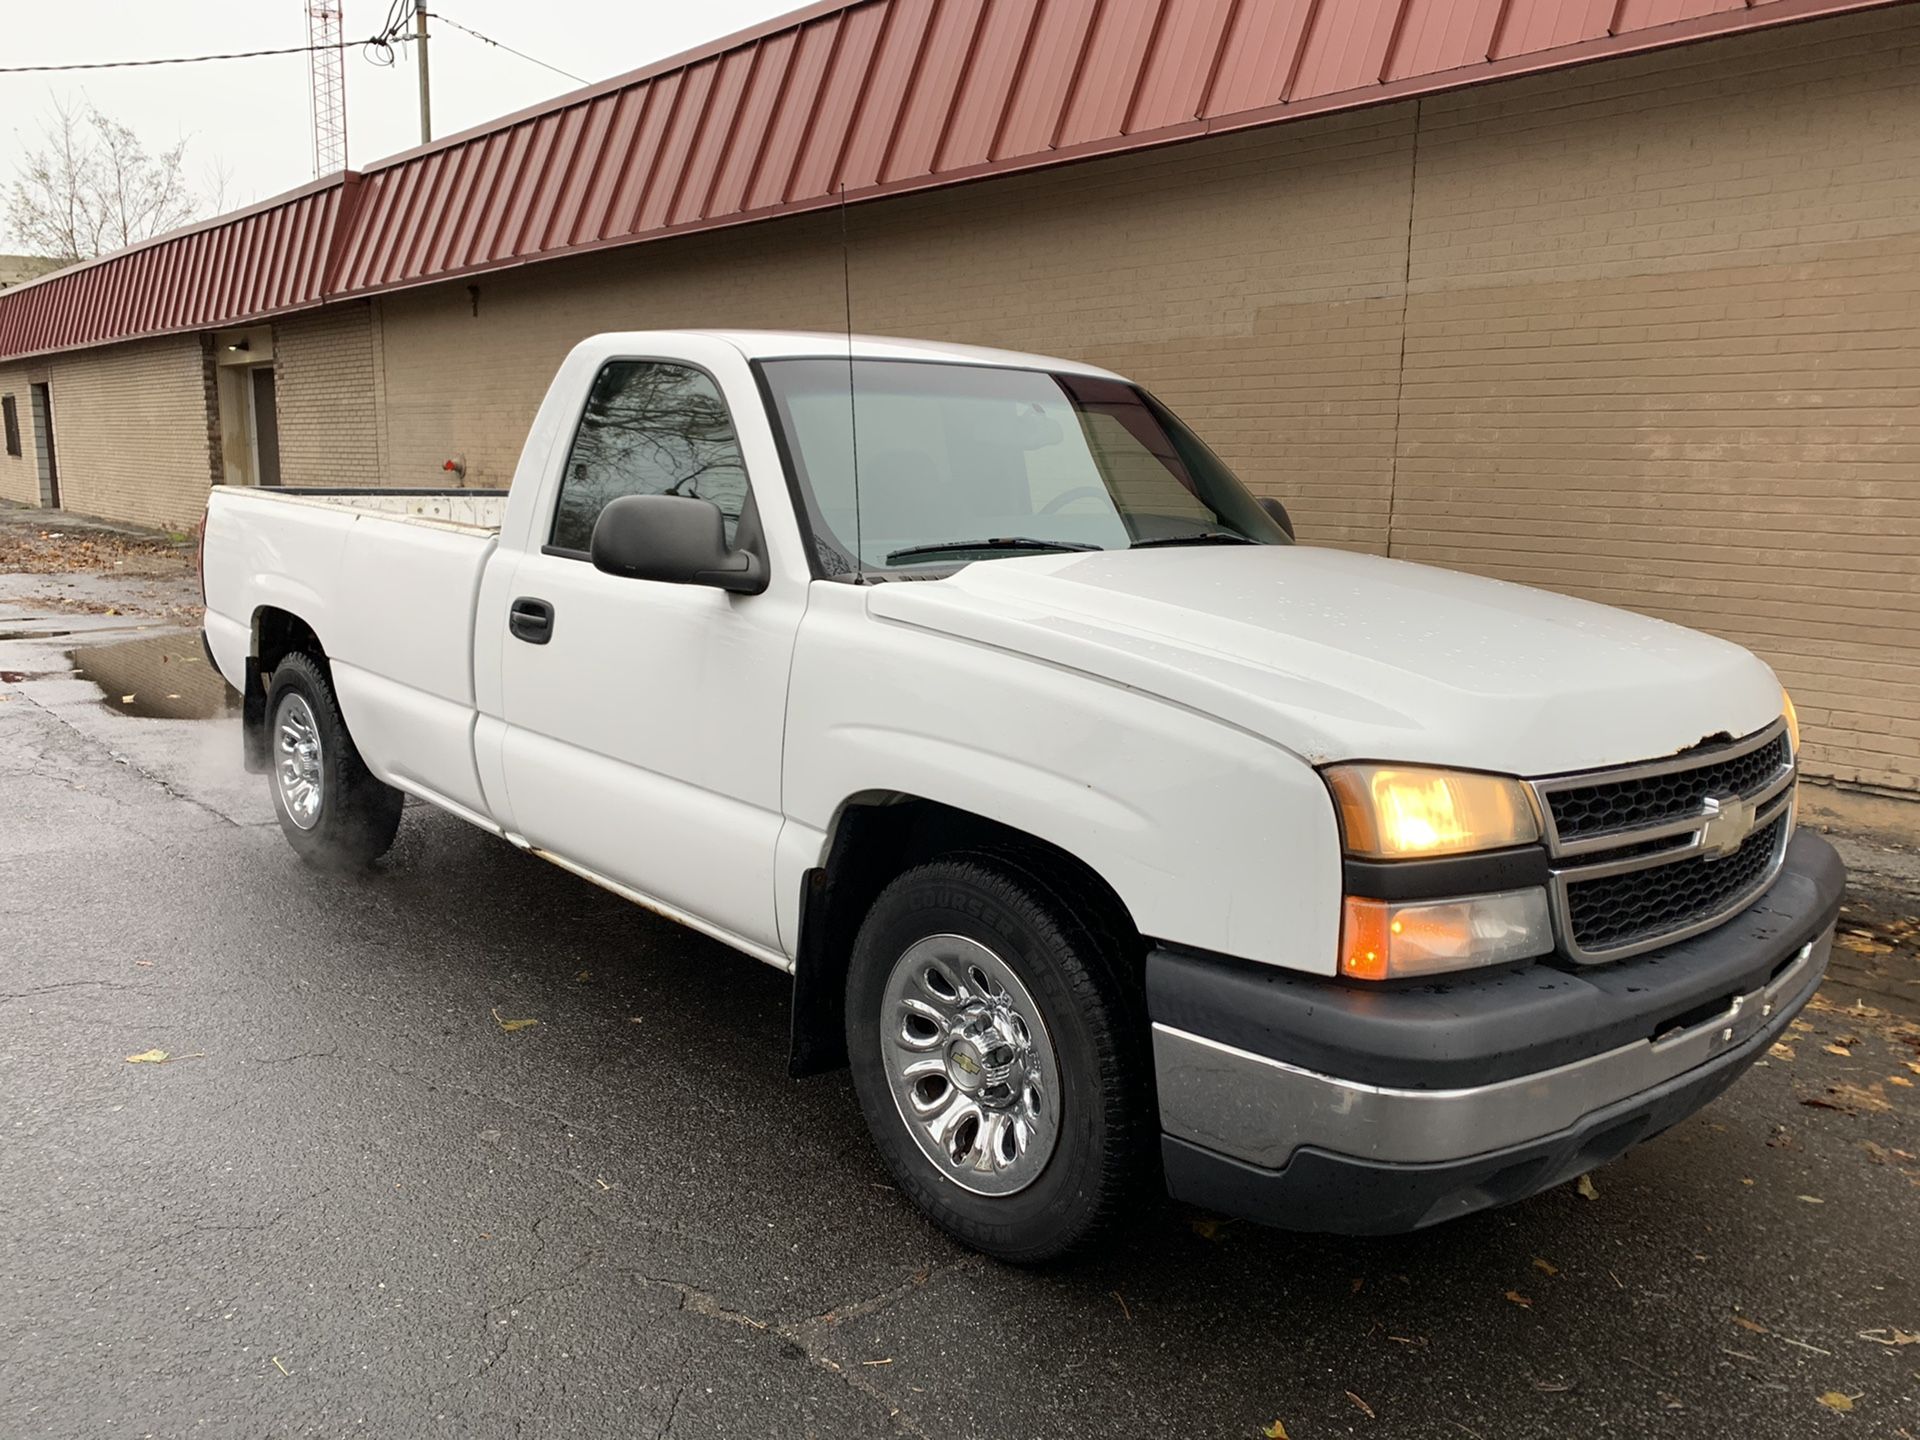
(331, 808)
(1000, 1057)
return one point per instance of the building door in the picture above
(43, 446)
(266, 425)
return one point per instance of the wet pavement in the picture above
(351, 1199)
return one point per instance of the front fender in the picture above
(1212, 837)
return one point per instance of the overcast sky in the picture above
(253, 116)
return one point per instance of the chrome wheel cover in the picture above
(970, 1065)
(299, 764)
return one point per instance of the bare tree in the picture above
(91, 185)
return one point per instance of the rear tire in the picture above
(1000, 1057)
(331, 808)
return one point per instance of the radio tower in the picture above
(327, 82)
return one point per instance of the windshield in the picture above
(968, 462)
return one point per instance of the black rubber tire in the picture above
(359, 814)
(1075, 963)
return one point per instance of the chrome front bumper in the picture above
(1262, 1110)
(1322, 1104)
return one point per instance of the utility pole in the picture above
(420, 39)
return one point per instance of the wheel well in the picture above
(276, 634)
(879, 836)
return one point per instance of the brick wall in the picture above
(324, 367)
(19, 479)
(1663, 350)
(130, 431)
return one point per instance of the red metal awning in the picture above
(853, 98)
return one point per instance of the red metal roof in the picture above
(258, 262)
(853, 98)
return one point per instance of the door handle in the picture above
(530, 620)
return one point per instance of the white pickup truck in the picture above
(1106, 833)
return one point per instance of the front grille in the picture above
(1620, 910)
(1644, 855)
(1611, 805)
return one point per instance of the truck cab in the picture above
(1110, 836)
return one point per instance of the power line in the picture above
(498, 45)
(169, 60)
(380, 48)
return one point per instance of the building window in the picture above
(11, 414)
(650, 428)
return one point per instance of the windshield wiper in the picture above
(1204, 537)
(1006, 542)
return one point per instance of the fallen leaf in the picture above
(1365, 1409)
(1275, 1431)
(1870, 1098)
(1754, 1325)
(1544, 1268)
(1812, 1199)
(1861, 946)
(126, 699)
(1913, 1065)
(1781, 1050)
(1875, 1153)
(1901, 1081)
(1123, 1305)
(1839, 1050)
(1834, 1400)
(148, 1057)
(1521, 1300)
(1207, 1230)
(584, 975)
(511, 1025)
(1890, 1336)
(1588, 1190)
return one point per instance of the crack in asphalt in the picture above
(806, 1337)
(76, 985)
(167, 787)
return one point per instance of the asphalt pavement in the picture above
(359, 1197)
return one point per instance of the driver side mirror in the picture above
(678, 539)
(1277, 513)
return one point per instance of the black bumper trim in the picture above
(1341, 1194)
(1493, 1025)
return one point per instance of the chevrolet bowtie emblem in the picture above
(1729, 822)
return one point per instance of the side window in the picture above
(10, 413)
(650, 428)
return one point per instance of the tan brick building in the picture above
(1646, 330)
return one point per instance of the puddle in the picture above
(160, 677)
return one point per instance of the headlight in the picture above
(1397, 812)
(1383, 940)
(1793, 722)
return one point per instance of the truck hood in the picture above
(1338, 656)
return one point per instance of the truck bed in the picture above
(387, 580)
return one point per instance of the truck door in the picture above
(644, 719)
